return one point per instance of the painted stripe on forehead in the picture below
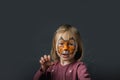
(61, 38)
(70, 39)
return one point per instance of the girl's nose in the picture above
(65, 47)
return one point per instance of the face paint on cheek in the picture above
(58, 47)
(60, 50)
(72, 49)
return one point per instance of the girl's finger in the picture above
(41, 62)
(48, 57)
(45, 58)
(42, 59)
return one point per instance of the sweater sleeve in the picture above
(39, 75)
(82, 72)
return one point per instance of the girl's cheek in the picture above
(72, 49)
(60, 50)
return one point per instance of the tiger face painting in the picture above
(66, 46)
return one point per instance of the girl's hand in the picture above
(45, 62)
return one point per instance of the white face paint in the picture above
(66, 46)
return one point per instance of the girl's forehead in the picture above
(66, 36)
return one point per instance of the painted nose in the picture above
(65, 48)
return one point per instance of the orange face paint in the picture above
(66, 46)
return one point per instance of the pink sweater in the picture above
(74, 71)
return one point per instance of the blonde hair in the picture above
(63, 28)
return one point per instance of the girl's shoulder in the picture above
(79, 64)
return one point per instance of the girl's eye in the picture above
(71, 44)
(60, 44)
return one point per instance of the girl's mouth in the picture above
(65, 54)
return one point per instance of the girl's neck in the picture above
(63, 63)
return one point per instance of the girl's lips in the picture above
(65, 55)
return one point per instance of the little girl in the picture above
(66, 54)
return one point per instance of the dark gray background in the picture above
(27, 27)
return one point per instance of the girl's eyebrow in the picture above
(61, 38)
(71, 38)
